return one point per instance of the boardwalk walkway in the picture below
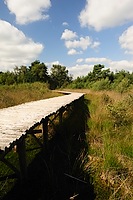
(16, 120)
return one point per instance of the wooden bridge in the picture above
(19, 121)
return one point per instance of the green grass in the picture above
(110, 137)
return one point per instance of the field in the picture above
(109, 136)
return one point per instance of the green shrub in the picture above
(103, 84)
(122, 86)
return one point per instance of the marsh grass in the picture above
(16, 94)
(111, 144)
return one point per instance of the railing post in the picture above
(60, 116)
(45, 133)
(21, 150)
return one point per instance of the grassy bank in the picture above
(110, 137)
(20, 93)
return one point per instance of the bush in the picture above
(121, 86)
(103, 84)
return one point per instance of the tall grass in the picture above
(20, 93)
(111, 144)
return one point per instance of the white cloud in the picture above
(80, 70)
(54, 63)
(121, 65)
(79, 60)
(95, 44)
(16, 48)
(65, 24)
(126, 40)
(73, 44)
(113, 65)
(88, 64)
(74, 52)
(83, 43)
(28, 11)
(50, 65)
(68, 35)
(101, 14)
(97, 60)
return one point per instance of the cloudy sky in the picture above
(73, 33)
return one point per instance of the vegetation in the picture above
(110, 129)
(37, 72)
(59, 76)
(104, 79)
(99, 79)
(110, 137)
(11, 95)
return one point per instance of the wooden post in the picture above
(45, 133)
(22, 158)
(60, 116)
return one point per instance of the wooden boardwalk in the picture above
(16, 120)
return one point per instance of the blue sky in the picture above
(76, 34)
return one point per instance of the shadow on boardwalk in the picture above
(59, 173)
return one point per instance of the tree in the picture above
(97, 71)
(59, 76)
(8, 78)
(21, 74)
(2, 78)
(38, 72)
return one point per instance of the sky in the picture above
(76, 34)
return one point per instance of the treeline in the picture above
(37, 72)
(103, 79)
(99, 79)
